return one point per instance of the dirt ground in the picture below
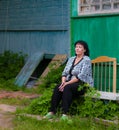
(6, 116)
(17, 94)
(6, 111)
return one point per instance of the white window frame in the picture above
(99, 7)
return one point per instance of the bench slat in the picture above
(109, 95)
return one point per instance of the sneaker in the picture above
(49, 116)
(64, 117)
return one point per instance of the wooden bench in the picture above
(104, 75)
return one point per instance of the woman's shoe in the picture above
(49, 115)
(64, 117)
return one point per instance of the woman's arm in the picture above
(74, 80)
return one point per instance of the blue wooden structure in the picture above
(28, 69)
(31, 26)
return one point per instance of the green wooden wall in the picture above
(101, 32)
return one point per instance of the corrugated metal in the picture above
(34, 14)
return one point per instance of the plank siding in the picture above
(34, 15)
(30, 26)
(30, 42)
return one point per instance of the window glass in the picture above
(97, 6)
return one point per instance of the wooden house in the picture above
(52, 27)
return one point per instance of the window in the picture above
(97, 6)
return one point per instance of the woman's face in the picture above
(79, 49)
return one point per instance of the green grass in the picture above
(15, 101)
(27, 123)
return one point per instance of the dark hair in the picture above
(85, 45)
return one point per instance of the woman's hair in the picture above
(85, 45)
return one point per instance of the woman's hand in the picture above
(61, 87)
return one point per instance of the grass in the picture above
(15, 101)
(24, 123)
(21, 122)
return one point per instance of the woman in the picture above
(78, 70)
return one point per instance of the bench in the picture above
(104, 75)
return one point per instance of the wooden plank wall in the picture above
(34, 15)
(33, 25)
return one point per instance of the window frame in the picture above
(111, 10)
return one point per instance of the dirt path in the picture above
(17, 94)
(7, 111)
(6, 116)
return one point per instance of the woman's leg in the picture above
(55, 100)
(70, 91)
